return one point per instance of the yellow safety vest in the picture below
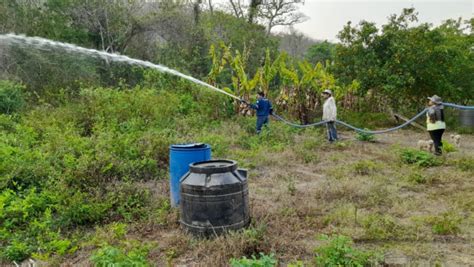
(434, 126)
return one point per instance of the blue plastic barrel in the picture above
(181, 155)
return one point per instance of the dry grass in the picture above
(354, 188)
(358, 189)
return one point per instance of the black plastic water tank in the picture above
(214, 197)
(466, 117)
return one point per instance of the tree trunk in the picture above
(197, 11)
(269, 27)
(211, 8)
(253, 9)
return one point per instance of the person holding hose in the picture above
(435, 123)
(330, 114)
(264, 108)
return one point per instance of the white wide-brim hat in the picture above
(327, 91)
(436, 99)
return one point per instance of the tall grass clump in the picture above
(465, 164)
(447, 223)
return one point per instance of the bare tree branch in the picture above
(281, 12)
(295, 43)
(237, 8)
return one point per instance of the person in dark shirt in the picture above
(263, 107)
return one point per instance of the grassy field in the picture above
(302, 187)
(85, 182)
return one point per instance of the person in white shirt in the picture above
(330, 114)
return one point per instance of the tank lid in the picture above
(189, 145)
(213, 166)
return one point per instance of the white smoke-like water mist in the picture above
(42, 43)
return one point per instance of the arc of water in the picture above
(42, 42)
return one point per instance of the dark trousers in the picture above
(332, 132)
(436, 136)
(261, 120)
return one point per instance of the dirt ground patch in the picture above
(358, 189)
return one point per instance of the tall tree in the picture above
(281, 13)
(403, 63)
(321, 52)
(112, 24)
(270, 13)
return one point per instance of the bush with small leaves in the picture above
(339, 250)
(112, 256)
(11, 97)
(365, 137)
(420, 158)
(448, 147)
(262, 261)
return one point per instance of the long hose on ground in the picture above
(351, 126)
(359, 130)
(386, 130)
(451, 105)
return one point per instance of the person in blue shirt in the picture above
(263, 107)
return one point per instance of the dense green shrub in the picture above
(448, 147)
(420, 158)
(84, 162)
(11, 97)
(262, 261)
(339, 251)
(17, 250)
(112, 256)
(82, 209)
(365, 137)
(27, 225)
(114, 248)
(81, 163)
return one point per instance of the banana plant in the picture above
(220, 58)
(348, 95)
(269, 70)
(302, 85)
(242, 84)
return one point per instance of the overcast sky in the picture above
(327, 17)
